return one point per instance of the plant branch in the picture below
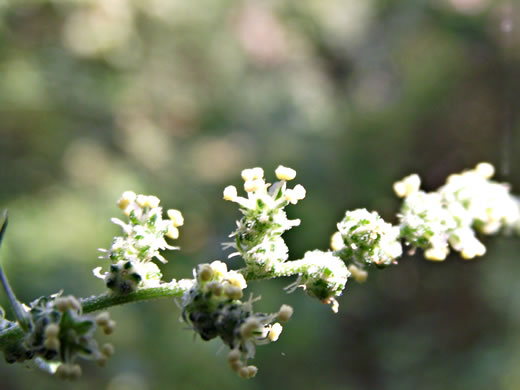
(104, 301)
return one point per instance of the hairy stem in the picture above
(104, 301)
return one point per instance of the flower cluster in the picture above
(143, 238)
(450, 216)
(322, 275)
(364, 238)
(58, 334)
(212, 307)
(258, 236)
(488, 204)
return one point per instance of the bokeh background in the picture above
(175, 98)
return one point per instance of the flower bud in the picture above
(63, 371)
(52, 343)
(62, 304)
(275, 331)
(251, 371)
(176, 217)
(250, 326)
(127, 198)
(230, 193)
(436, 253)
(109, 328)
(244, 372)
(285, 313)
(107, 349)
(407, 186)
(205, 272)
(284, 173)
(233, 292)
(52, 330)
(172, 233)
(234, 355)
(336, 241)
(486, 170)
(102, 319)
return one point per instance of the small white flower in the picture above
(284, 173)
(172, 233)
(176, 217)
(436, 253)
(407, 186)
(252, 174)
(236, 279)
(230, 193)
(486, 170)
(219, 268)
(336, 241)
(254, 185)
(296, 194)
(275, 331)
(285, 313)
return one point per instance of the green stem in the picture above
(19, 312)
(104, 301)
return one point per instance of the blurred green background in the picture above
(174, 98)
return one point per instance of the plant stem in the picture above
(104, 301)
(18, 310)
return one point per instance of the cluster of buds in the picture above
(258, 236)
(213, 308)
(59, 333)
(450, 216)
(215, 289)
(143, 238)
(426, 223)
(322, 275)
(105, 323)
(364, 238)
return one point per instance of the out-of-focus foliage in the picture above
(174, 98)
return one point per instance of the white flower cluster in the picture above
(489, 204)
(143, 238)
(212, 307)
(426, 223)
(364, 238)
(258, 236)
(468, 201)
(323, 275)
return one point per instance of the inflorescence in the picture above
(143, 237)
(56, 332)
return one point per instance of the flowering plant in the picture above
(53, 332)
